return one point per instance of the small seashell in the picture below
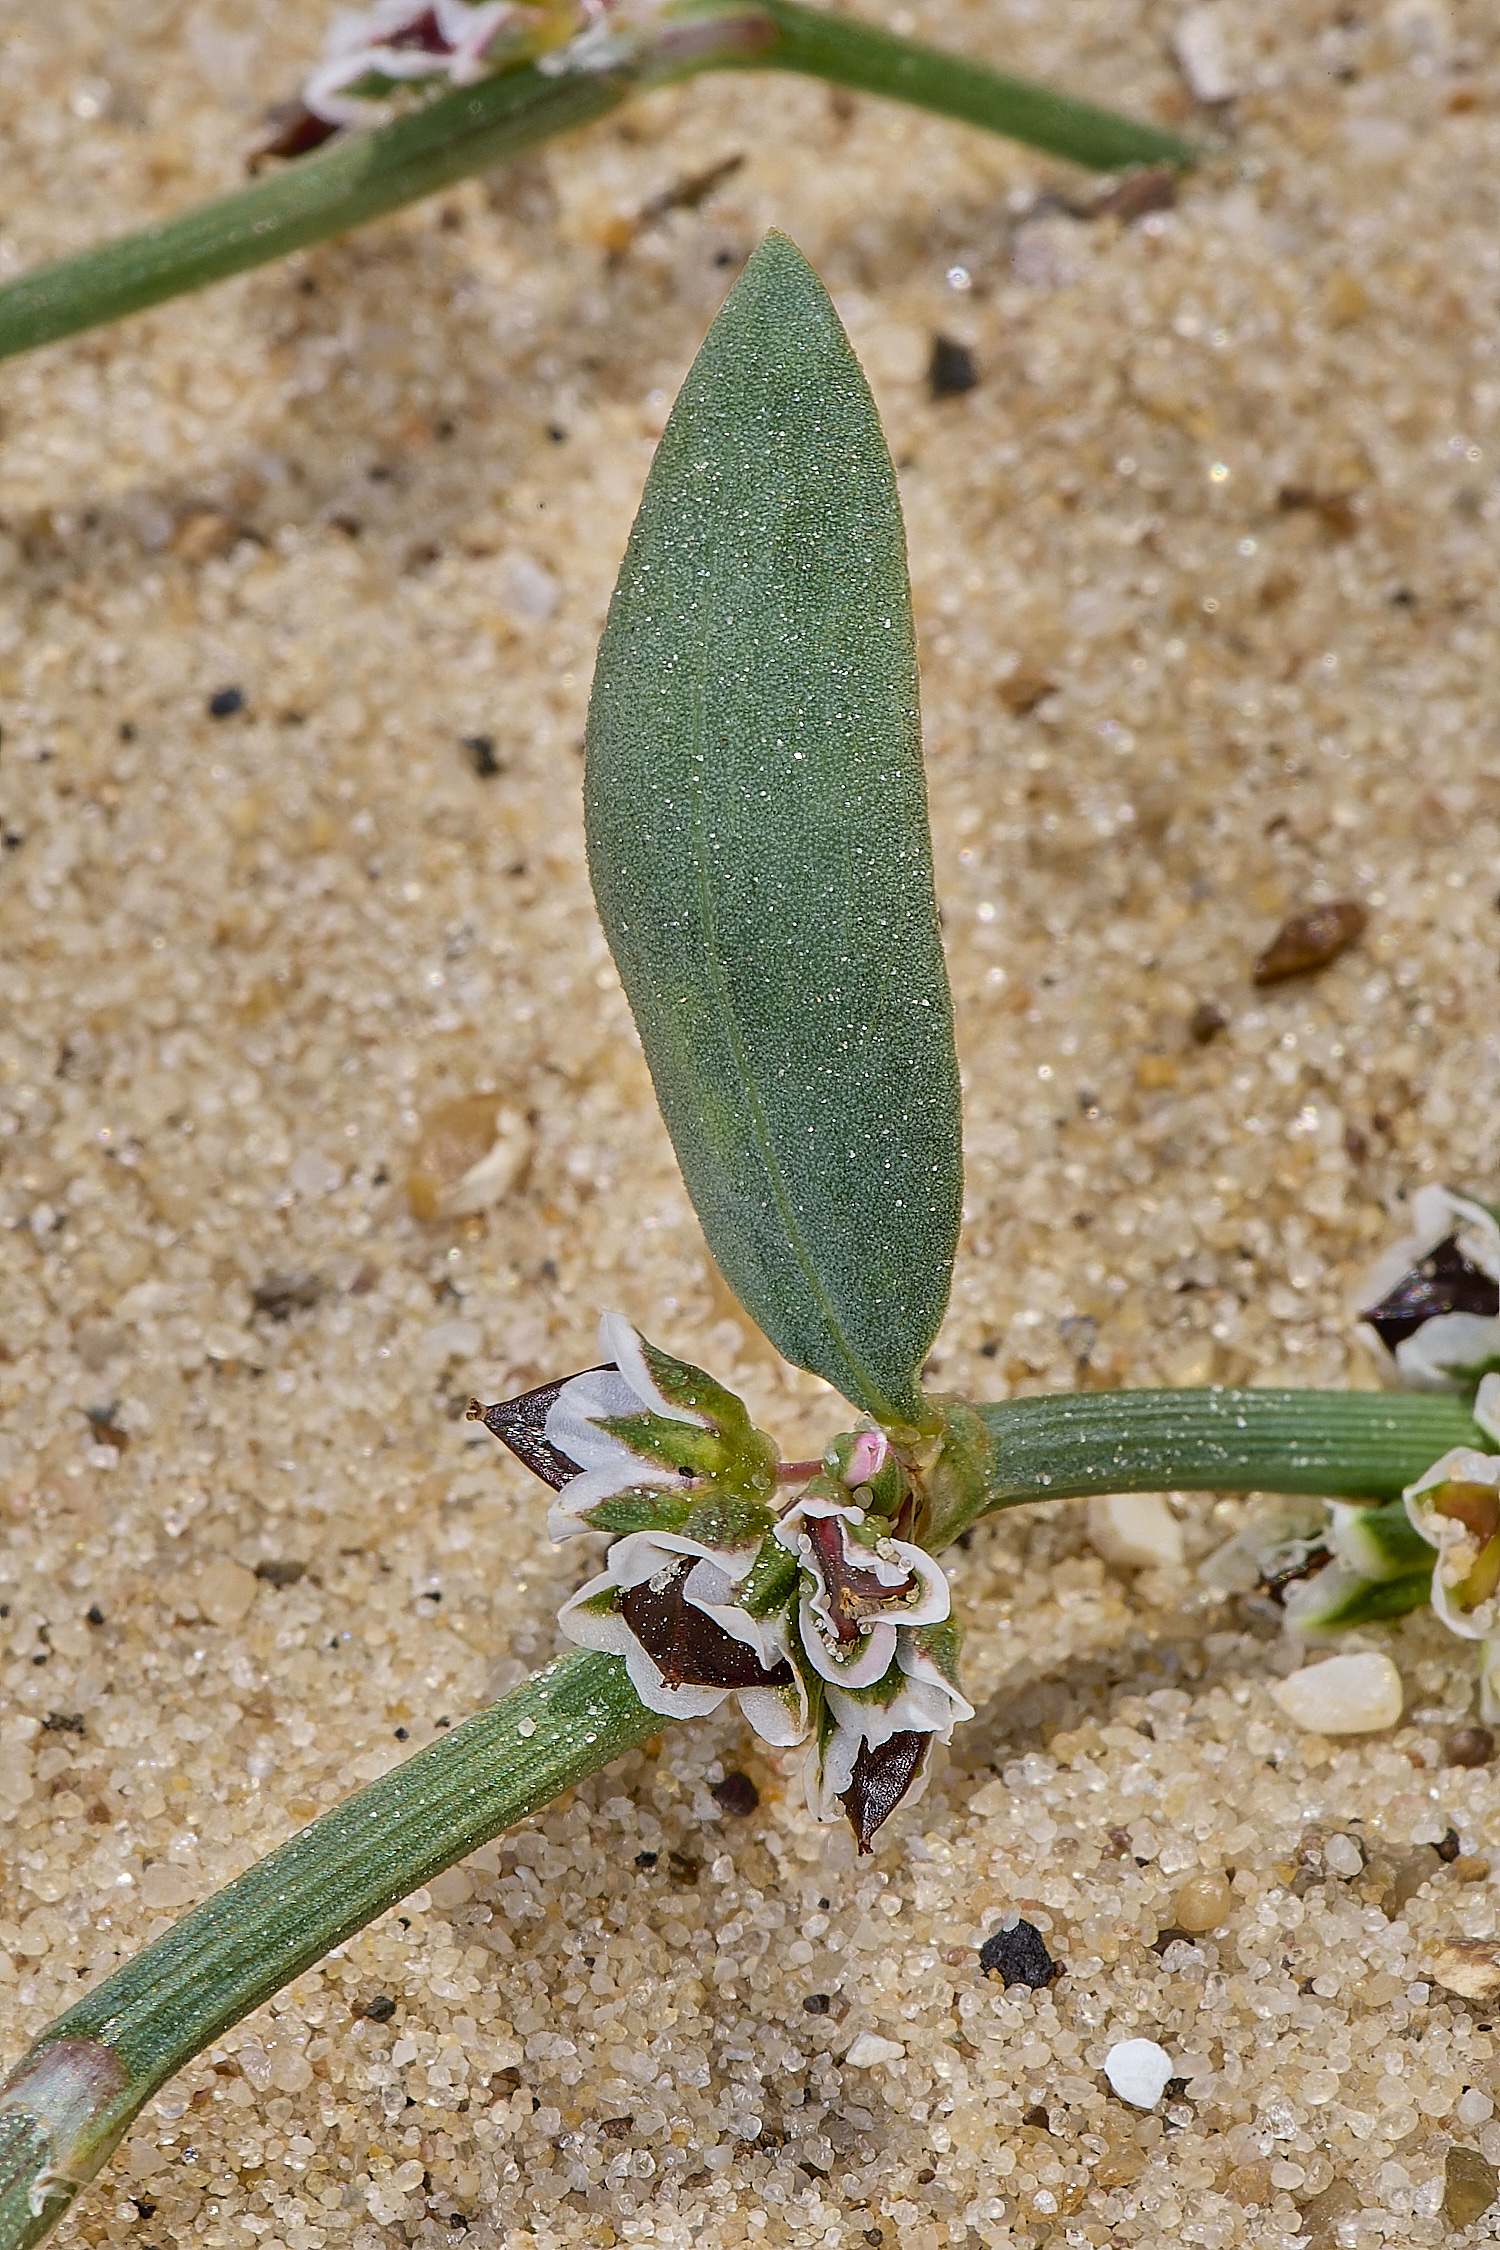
(1138, 2071)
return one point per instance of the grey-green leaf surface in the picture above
(758, 842)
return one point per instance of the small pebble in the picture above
(952, 368)
(225, 702)
(1202, 55)
(1343, 1856)
(1138, 2071)
(480, 751)
(1470, 2186)
(869, 2049)
(1358, 1694)
(381, 2008)
(1136, 1530)
(1205, 1023)
(1022, 690)
(736, 1794)
(1468, 1746)
(526, 1729)
(1203, 1903)
(1470, 1967)
(1310, 940)
(817, 2003)
(1016, 1953)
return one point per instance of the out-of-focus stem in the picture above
(362, 176)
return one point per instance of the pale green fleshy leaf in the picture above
(759, 849)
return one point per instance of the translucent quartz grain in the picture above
(310, 925)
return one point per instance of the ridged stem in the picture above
(364, 175)
(72, 2097)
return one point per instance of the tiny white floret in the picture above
(1138, 2071)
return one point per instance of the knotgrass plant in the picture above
(548, 67)
(760, 854)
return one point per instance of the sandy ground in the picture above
(1205, 569)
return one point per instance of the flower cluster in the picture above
(825, 1625)
(1430, 1312)
(1430, 1309)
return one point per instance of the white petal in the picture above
(603, 1629)
(598, 1395)
(1487, 1406)
(641, 1554)
(1425, 1359)
(621, 1342)
(1458, 1549)
(772, 1717)
(871, 1664)
(672, 1702)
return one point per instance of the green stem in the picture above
(362, 176)
(357, 178)
(849, 53)
(283, 1914)
(72, 2097)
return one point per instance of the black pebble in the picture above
(480, 749)
(225, 701)
(645, 1859)
(736, 1794)
(95, 1614)
(381, 2008)
(817, 2003)
(1018, 1955)
(952, 368)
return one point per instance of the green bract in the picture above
(758, 842)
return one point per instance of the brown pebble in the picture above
(736, 1794)
(1022, 690)
(1450, 1847)
(1322, 2214)
(1468, 1746)
(203, 534)
(1205, 1023)
(1311, 940)
(1203, 1903)
(1470, 2186)
(1150, 187)
(452, 1140)
(1251, 2183)
(1468, 1868)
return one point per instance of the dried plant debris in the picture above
(1310, 940)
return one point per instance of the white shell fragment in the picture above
(1138, 2071)
(1357, 1694)
(1203, 54)
(1136, 1530)
(869, 2048)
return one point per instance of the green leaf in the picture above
(758, 842)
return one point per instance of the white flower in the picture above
(879, 1754)
(855, 1597)
(1455, 1505)
(606, 1465)
(405, 39)
(670, 1607)
(1431, 1306)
